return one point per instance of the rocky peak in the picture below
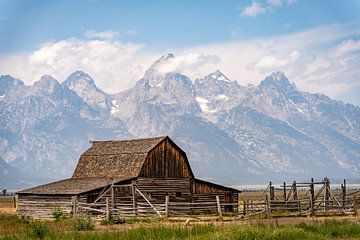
(158, 68)
(8, 84)
(85, 87)
(79, 78)
(46, 85)
(217, 75)
(279, 81)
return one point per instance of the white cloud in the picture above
(324, 59)
(270, 5)
(188, 63)
(310, 58)
(280, 3)
(347, 47)
(105, 35)
(253, 10)
(276, 3)
(113, 64)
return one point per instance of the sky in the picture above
(315, 43)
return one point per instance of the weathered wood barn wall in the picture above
(157, 166)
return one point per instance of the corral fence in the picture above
(314, 198)
(296, 199)
(142, 206)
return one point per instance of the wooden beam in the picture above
(218, 205)
(167, 206)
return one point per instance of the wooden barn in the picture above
(130, 173)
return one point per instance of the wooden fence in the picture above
(315, 198)
(286, 200)
(167, 209)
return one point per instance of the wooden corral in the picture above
(131, 177)
(304, 198)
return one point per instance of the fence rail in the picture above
(274, 201)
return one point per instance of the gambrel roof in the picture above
(115, 158)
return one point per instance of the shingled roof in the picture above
(105, 162)
(122, 159)
(72, 186)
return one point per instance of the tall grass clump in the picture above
(83, 223)
(58, 214)
(39, 229)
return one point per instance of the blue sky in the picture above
(305, 39)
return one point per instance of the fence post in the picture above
(355, 205)
(134, 199)
(312, 196)
(284, 191)
(74, 205)
(245, 205)
(107, 209)
(14, 202)
(272, 191)
(267, 206)
(166, 206)
(343, 193)
(218, 205)
(326, 193)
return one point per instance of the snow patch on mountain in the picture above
(222, 97)
(203, 103)
(114, 107)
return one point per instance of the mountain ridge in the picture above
(232, 134)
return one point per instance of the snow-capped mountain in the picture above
(86, 89)
(216, 93)
(232, 134)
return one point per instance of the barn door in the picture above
(228, 200)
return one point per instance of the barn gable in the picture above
(166, 160)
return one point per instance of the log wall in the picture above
(178, 189)
(42, 206)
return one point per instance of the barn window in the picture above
(178, 194)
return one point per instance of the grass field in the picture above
(12, 227)
(7, 202)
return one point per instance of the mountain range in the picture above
(232, 134)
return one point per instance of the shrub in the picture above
(39, 229)
(58, 214)
(83, 223)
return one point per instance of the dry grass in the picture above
(22, 228)
(7, 201)
(7, 210)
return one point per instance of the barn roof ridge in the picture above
(133, 139)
